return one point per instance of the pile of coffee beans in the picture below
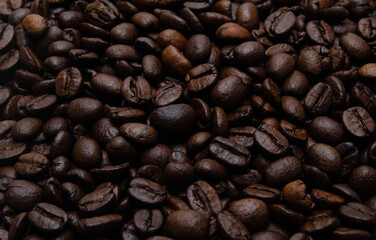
(188, 120)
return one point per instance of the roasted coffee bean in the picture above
(84, 110)
(136, 91)
(358, 122)
(32, 165)
(283, 171)
(232, 227)
(357, 215)
(99, 225)
(262, 192)
(48, 218)
(355, 46)
(201, 77)
(326, 130)
(187, 224)
(147, 192)
(229, 153)
(253, 213)
(9, 152)
(280, 23)
(101, 200)
(320, 32)
(148, 221)
(23, 195)
(295, 196)
(318, 99)
(326, 199)
(362, 180)
(203, 198)
(271, 140)
(324, 157)
(319, 222)
(68, 82)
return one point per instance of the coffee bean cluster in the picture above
(188, 120)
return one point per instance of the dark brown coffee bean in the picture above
(187, 224)
(19, 226)
(283, 171)
(248, 53)
(139, 133)
(362, 180)
(99, 201)
(315, 60)
(280, 23)
(358, 122)
(147, 192)
(201, 77)
(229, 153)
(231, 227)
(9, 60)
(355, 47)
(23, 195)
(262, 192)
(86, 153)
(203, 198)
(27, 128)
(318, 100)
(148, 221)
(326, 130)
(253, 213)
(285, 216)
(357, 215)
(368, 71)
(295, 196)
(48, 218)
(325, 158)
(271, 140)
(176, 120)
(103, 225)
(197, 49)
(107, 83)
(325, 199)
(210, 169)
(293, 109)
(320, 32)
(280, 66)
(84, 110)
(136, 91)
(233, 32)
(125, 33)
(32, 165)
(350, 233)
(319, 222)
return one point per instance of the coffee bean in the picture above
(325, 158)
(136, 91)
(326, 199)
(342, 232)
(201, 77)
(99, 201)
(32, 165)
(140, 133)
(229, 153)
(203, 198)
(361, 180)
(253, 213)
(320, 32)
(48, 218)
(84, 110)
(358, 122)
(68, 82)
(326, 130)
(175, 62)
(319, 222)
(271, 140)
(357, 215)
(280, 23)
(99, 225)
(9, 152)
(228, 93)
(355, 47)
(262, 192)
(295, 196)
(148, 221)
(197, 49)
(318, 99)
(23, 195)
(232, 227)
(35, 25)
(232, 32)
(187, 224)
(146, 191)
(283, 171)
